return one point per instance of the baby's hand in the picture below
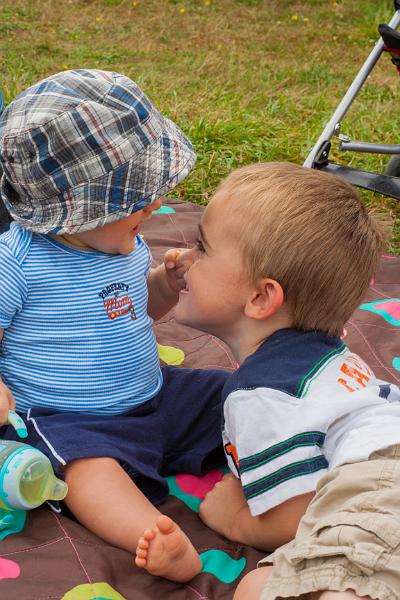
(7, 402)
(177, 261)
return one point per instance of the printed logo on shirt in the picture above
(117, 301)
(231, 451)
(356, 374)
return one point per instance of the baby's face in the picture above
(217, 287)
(117, 237)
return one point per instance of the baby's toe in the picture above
(148, 535)
(165, 524)
(140, 562)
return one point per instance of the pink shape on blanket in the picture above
(199, 486)
(9, 569)
(391, 307)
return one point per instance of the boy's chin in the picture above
(183, 318)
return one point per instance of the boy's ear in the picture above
(265, 300)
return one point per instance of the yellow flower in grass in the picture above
(182, 10)
(295, 17)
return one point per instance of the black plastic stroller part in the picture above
(391, 40)
(387, 184)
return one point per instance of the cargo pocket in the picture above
(366, 540)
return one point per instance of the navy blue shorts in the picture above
(177, 431)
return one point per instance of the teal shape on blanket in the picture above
(11, 521)
(163, 210)
(396, 363)
(221, 565)
(388, 309)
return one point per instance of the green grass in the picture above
(247, 80)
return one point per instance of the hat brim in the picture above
(124, 190)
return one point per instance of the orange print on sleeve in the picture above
(232, 452)
(357, 374)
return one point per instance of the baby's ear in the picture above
(265, 300)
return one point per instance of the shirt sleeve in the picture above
(142, 241)
(13, 288)
(272, 447)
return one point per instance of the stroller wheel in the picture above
(393, 166)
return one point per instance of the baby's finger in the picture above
(184, 260)
(171, 258)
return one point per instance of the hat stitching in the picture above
(87, 159)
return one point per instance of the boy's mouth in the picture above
(185, 290)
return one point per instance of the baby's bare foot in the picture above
(167, 552)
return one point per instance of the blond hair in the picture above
(311, 232)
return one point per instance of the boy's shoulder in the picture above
(16, 241)
(285, 362)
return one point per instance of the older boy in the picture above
(284, 257)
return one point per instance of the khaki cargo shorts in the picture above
(349, 537)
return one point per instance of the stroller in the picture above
(387, 184)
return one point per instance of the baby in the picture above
(84, 160)
(312, 437)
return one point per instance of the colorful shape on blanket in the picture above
(171, 355)
(11, 521)
(199, 486)
(192, 489)
(93, 591)
(164, 210)
(396, 363)
(221, 565)
(9, 569)
(388, 309)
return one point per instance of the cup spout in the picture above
(59, 491)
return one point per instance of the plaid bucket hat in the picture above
(84, 148)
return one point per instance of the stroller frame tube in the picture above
(333, 126)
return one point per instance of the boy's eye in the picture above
(199, 246)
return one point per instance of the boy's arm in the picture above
(225, 510)
(166, 281)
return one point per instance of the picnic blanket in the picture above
(55, 558)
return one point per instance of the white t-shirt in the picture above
(301, 405)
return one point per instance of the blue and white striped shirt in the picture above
(77, 336)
